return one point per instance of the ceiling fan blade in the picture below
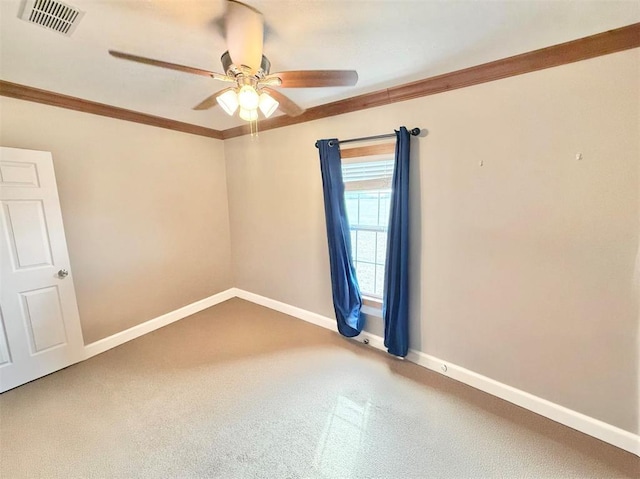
(316, 78)
(287, 106)
(171, 66)
(244, 26)
(210, 101)
(159, 63)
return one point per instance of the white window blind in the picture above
(369, 175)
(369, 170)
(367, 198)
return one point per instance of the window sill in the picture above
(372, 306)
(372, 302)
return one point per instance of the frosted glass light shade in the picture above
(228, 101)
(268, 105)
(248, 115)
(248, 98)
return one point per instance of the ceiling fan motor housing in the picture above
(233, 70)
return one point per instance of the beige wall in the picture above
(522, 268)
(145, 211)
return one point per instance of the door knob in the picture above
(63, 273)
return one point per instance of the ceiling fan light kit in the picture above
(248, 115)
(247, 95)
(267, 105)
(228, 101)
(246, 66)
(248, 98)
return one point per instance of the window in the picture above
(367, 196)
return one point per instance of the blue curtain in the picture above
(347, 300)
(395, 301)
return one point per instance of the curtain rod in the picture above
(413, 132)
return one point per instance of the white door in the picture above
(39, 322)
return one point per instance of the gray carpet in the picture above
(239, 391)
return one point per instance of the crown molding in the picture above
(23, 92)
(612, 41)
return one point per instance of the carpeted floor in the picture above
(240, 391)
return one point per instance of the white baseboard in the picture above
(285, 308)
(575, 420)
(588, 425)
(117, 339)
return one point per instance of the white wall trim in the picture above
(122, 337)
(285, 308)
(575, 420)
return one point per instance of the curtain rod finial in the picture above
(415, 131)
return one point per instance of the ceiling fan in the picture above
(248, 70)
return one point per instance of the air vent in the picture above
(52, 15)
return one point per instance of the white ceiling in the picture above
(387, 42)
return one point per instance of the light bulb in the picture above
(248, 115)
(248, 98)
(268, 105)
(228, 101)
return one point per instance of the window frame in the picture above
(368, 154)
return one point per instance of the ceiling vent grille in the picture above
(52, 15)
